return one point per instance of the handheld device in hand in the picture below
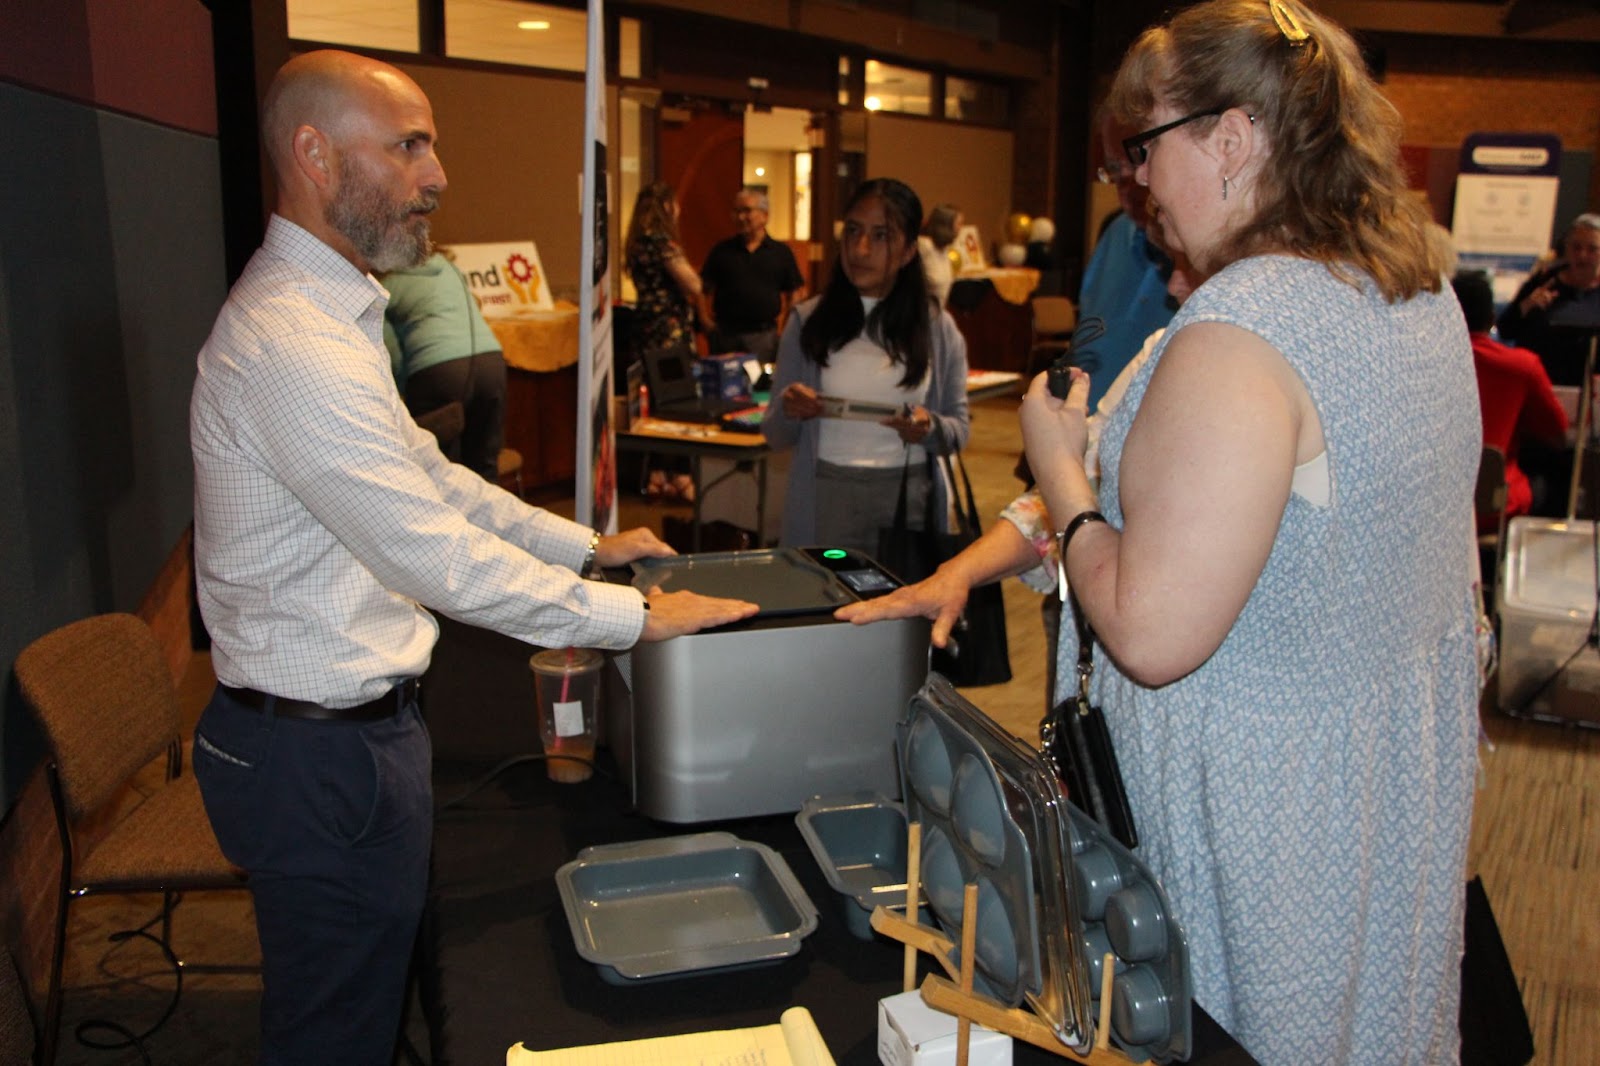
(1060, 380)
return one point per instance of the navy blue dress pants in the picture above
(333, 822)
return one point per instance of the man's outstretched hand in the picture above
(619, 549)
(674, 614)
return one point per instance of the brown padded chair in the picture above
(16, 1024)
(509, 469)
(104, 697)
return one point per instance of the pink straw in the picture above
(566, 677)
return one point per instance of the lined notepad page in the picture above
(794, 1041)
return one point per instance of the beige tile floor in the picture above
(1536, 842)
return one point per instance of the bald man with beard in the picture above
(326, 525)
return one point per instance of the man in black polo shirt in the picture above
(750, 280)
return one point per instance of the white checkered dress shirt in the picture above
(325, 519)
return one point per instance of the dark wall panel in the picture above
(110, 273)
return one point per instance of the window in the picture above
(390, 25)
(898, 89)
(507, 31)
(967, 100)
(499, 31)
(629, 62)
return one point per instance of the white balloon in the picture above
(1012, 254)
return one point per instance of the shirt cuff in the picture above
(616, 616)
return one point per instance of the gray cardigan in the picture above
(947, 404)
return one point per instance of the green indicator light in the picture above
(834, 553)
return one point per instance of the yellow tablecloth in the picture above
(539, 340)
(1015, 285)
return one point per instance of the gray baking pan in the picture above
(859, 841)
(654, 909)
(1055, 891)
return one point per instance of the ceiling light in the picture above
(761, 172)
(873, 103)
(533, 24)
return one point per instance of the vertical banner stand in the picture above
(595, 490)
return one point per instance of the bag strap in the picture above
(900, 508)
(966, 516)
(1069, 604)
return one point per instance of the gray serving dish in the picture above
(676, 906)
(859, 840)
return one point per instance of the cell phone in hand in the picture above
(1060, 379)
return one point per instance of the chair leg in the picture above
(50, 1034)
(50, 1030)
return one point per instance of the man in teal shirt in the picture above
(442, 352)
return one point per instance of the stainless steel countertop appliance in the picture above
(757, 717)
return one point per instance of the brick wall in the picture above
(1446, 89)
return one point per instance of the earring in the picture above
(1224, 186)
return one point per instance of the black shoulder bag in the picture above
(978, 653)
(1074, 737)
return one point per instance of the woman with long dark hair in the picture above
(874, 337)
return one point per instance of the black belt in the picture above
(371, 711)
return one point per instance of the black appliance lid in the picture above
(782, 581)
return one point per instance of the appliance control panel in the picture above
(859, 574)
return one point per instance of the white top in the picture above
(861, 370)
(325, 519)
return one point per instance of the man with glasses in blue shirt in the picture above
(1123, 298)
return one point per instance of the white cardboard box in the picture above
(911, 1033)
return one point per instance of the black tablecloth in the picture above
(497, 957)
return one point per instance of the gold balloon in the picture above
(955, 258)
(1017, 226)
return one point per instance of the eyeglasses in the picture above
(1137, 146)
(1113, 171)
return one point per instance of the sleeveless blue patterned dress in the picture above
(1305, 795)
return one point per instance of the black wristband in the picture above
(1064, 538)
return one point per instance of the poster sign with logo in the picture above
(596, 490)
(506, 278)
(969, 248)
(1505, 207)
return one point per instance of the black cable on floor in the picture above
(128, 1038)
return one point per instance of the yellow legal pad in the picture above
(794, 1041)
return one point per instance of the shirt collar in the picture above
(343, 286)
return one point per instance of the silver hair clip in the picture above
(1289, 25)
